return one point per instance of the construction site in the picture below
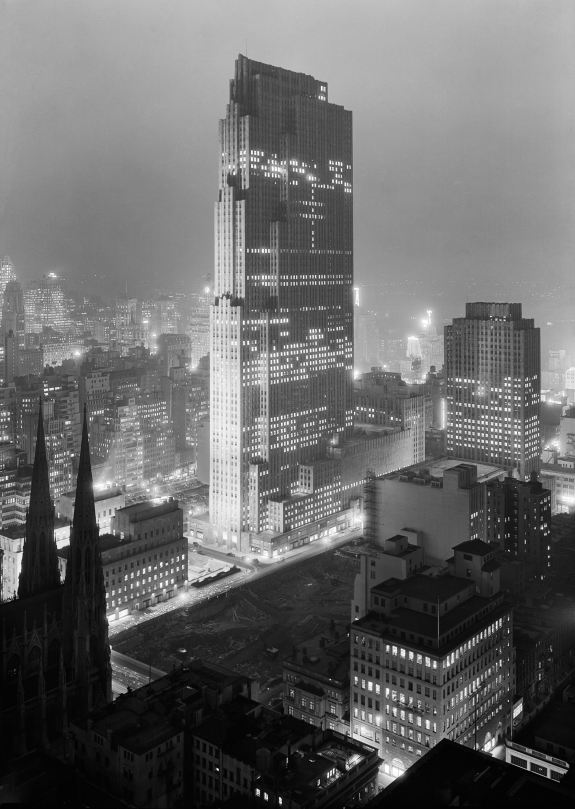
(253, 627)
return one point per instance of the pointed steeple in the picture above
(85, 621)
(84, 510)
(39, 571)
(40, 500)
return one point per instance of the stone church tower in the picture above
(54, 651)
(85, 625)
(39, 572)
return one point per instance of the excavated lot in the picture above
(279, 611)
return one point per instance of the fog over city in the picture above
(287, 403)
(463, 124)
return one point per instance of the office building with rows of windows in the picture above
(492, 368)
(144, 560)
(518, 518)
(432, 659)
(281, 328)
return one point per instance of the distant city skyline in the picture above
(463, 169)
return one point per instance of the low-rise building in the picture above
(453, 775)
(146, 520)
(533, 760)
(547, 745)
(335, 772)
(316, 681)
(107, 502)
(246, 751)
(12, 544)
(544, 635)
(138, 749)
(145, 560)
(396, 559)
(563, 472)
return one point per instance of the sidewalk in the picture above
(333, 541)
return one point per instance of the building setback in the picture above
(281, 341)
(492, 366)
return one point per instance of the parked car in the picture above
(195, 544)
(230, 554)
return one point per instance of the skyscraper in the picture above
(492, 364)
(45, 305)
(281, 327)
(7, 272)
(13, 329)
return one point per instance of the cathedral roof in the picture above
(12, 612)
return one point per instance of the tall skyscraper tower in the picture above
(492, 365)
(281, 326)
(7, 272)
(13, 329)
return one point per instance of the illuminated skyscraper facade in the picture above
(281, 326)
(13, 329)
(492, 364)
(198, 329)
(45, 305)
(7, 272)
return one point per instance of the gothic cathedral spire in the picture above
(39, 571)
(86, 632)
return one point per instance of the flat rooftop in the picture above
(424, 588)
(99, 494)
(454, 775)
(147, 510)
(417, 624)
(330, 659)
(437, 467)
(18, 531)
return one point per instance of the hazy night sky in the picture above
(464, 124)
